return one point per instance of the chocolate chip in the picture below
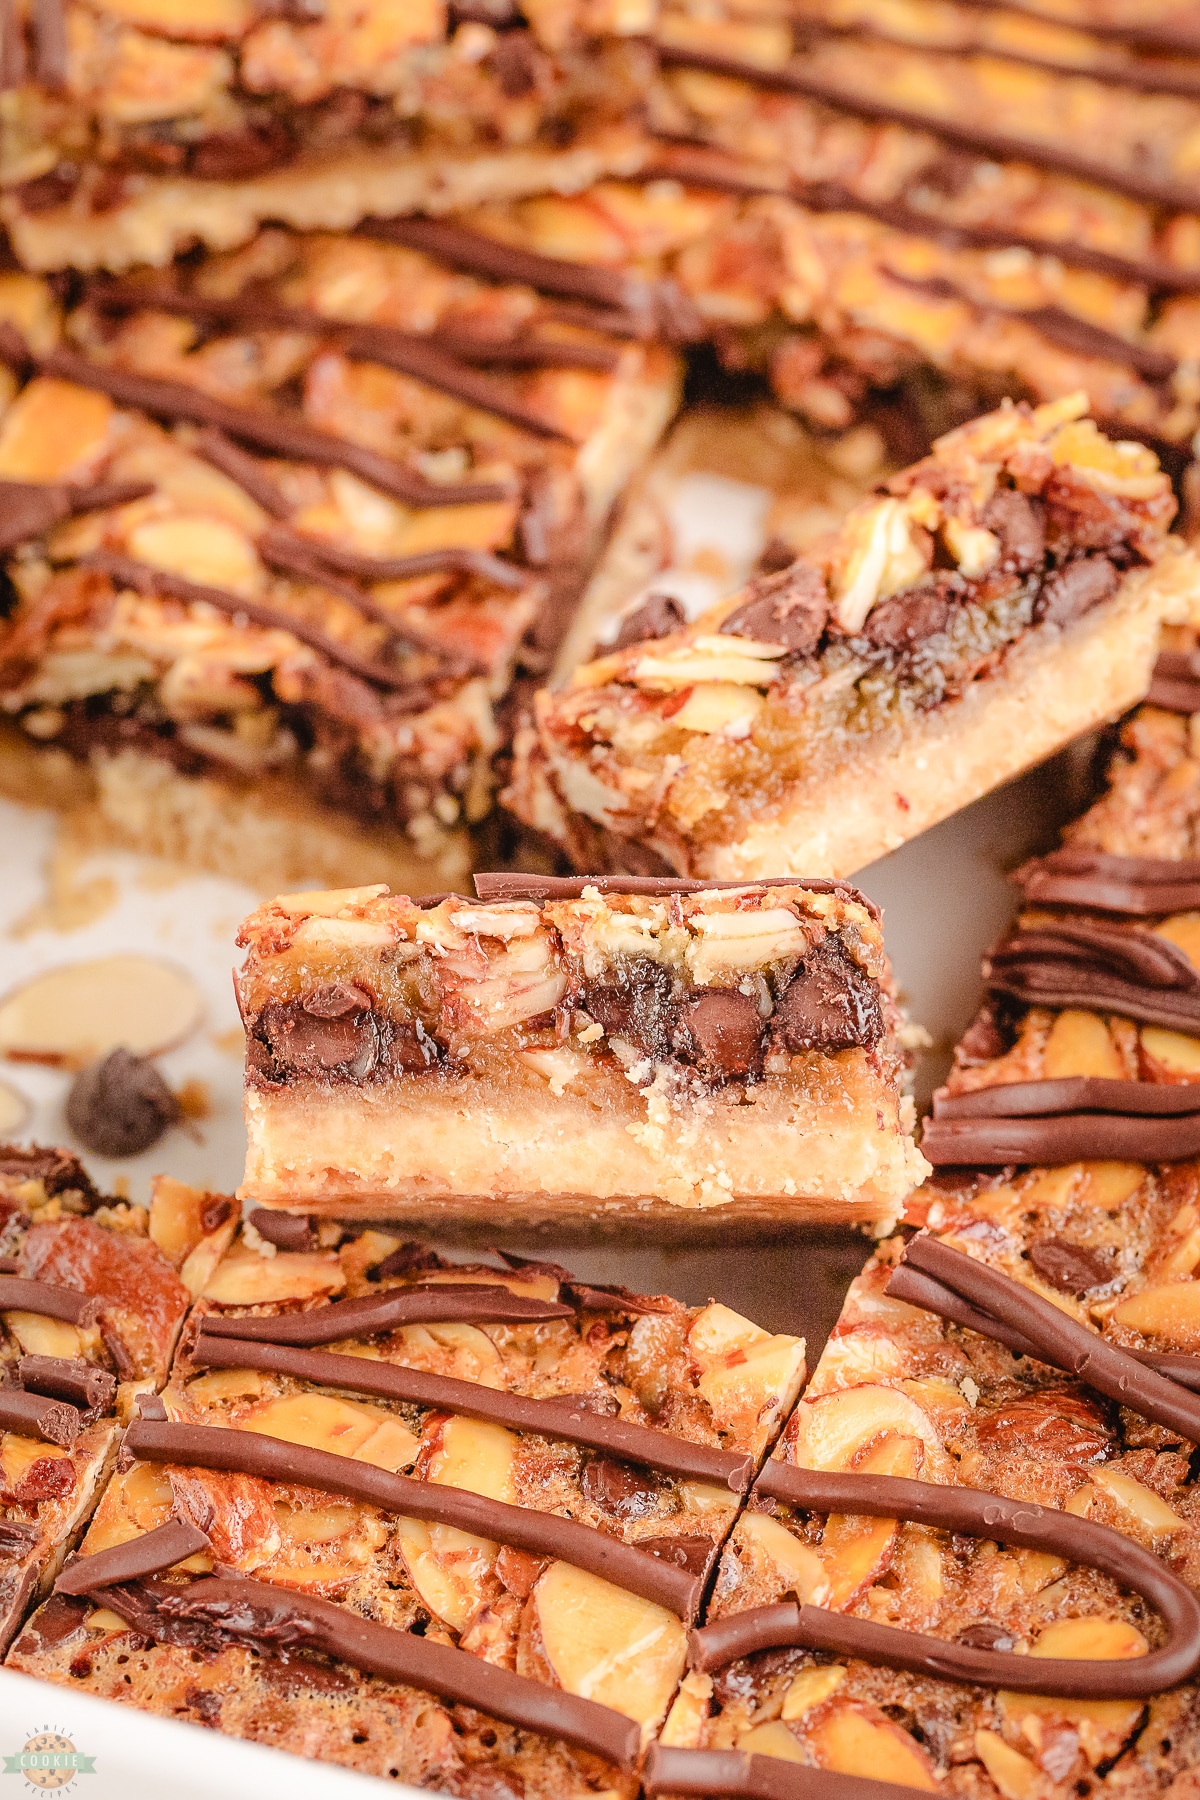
(1068, 1267)
(720, 1030)
(830, 1004)
(411, 1048)
(239, 155)
(617, 1489)
(982, 1041)
(517, 64)
(1080, 517)
(215, 1212)
(657, 617)
(62, 1615)
(636, 1005)
(287, 1231)
(304, 1045)
(790, 608)
(691, 1553)
(919, 613)
(985, 1634)
(205, 1703)
(120, 1105)
(336, 1001)
(1020, 525)
(777, 554)
(1074, 589)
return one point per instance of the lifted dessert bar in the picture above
(1003, 596)
(575, 1049)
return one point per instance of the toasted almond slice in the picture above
(1183, 930)
(477, 1456)
(608, 1645)
(73, 1014)
(18, 1454)
(684, 1726)
(447, 1573)
(772, 1739)
(1140, 1503)
(39, 1336)
(1169, 1055)
(1091, 1639)
(1170, 1312)
(856, 1741)
(1015, 1776)
(175, 1224)
(1102, 1725)
(327, 903)
(1080, 1044)
(318, 1524)
(222, 1385)
(249, 1280)
(200, 1263)
(810, 1689)
(321, 1422)
(831, 1430)
(799, 1569)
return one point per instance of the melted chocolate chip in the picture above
(120, 1105)
(1068, 1267)
(691, 1553)
(618, 1490)
(721, 1031)
(659, 616)
(1075, 589)
(303, 1045)
(637, 1005)
(790, 608)
(985, 1634)
(287, 1231)
(830, 1004)
(1020, 525)
(918, 613)
(240, 155)
(336, 1001)
(1081, 517)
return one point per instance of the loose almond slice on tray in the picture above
(72, 1015)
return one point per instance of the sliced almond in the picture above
(318, 1524)
(747, 1397)
(175, 1223)
(1169, 1055)
(798, 1569)
(1140, 1503)
(684, 1725)
(134, 1502)
(14, 1110)
(54, 431)
(1108, 1185)
(1080, 1044)
(1091, 1639)
(446, 1567)
(327, 903)
(1016, 1777)
(321, 1422)
(830, 1431)
(453, 1348)
(208, 550)
(855, 1741)
(810, 1689)
(716, 706)
(1170, 1312)
(201, 1263)
(475, 1455)
(1102, 1725)
(608, 1645)
(39, 1336)
(74, 1014)
(244, 1279)
(747, 940)
(772, 1739)
(220, 1386)
(1183, 930)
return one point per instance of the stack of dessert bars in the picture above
(495, 1531)
(331, 333)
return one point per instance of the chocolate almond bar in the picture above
(133, 131)
(279, 540)
(90, 1310)
(1001, 597)
(591, 1048)
(291, 1552)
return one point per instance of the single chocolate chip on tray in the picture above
(120, 1105)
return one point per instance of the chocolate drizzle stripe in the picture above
(406, 351)
(994, 144)
(551, 1418)
(685, 163)
(923, 1290)
(297, 556)
(1140, 886)
(215, 447)
(1070, 1094)
(160, 583)
(49, 22)
(1103, 968)
(47, 1298)
(68, 1378)
(541, 1534)
(1078, 336)
(35, 1416)
(971, 1513)
(148, 1555)
(669, 1770)
(1142, 78)
(398, 568)
(288, 437)
(1057, 1339)
(443, 1304)
(1150, 37)
(13, 61)
(255, 1613)
(28, 509)
(502, 886)
(1173, 694)
(997, 1143)
(479, 254)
